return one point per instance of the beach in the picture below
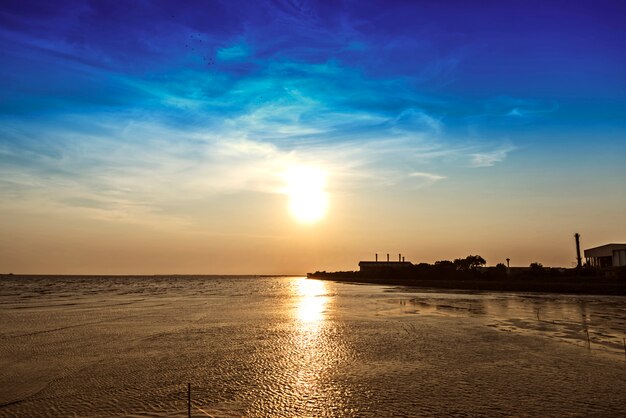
(291, 346)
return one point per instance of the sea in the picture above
(230, 346)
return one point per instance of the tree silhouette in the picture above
(470, 262)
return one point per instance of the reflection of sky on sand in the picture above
(587, 321)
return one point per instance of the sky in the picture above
(280, 137)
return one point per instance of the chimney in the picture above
(387, 257)
(578, 259)
(376, 257)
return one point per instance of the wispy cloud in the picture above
(489, 158)
(428, 176)
(235, 52)
(224, 113)
(517, 107)
(134, 173)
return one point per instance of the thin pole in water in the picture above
(189, 400)
(624, 339)
(588, 339)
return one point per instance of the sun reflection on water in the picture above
(312, 351)
(312, 302)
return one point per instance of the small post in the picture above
(189, 400)
(387, 257)
(588, 339)
(507, 262)
(399, 258)
(377, 257)
(624, 339)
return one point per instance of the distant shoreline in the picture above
(579, 285)
(474, 281)
(36, 275)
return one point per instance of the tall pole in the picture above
(189, 400)
(507, 262)
(578, 259)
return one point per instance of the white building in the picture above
(609, 255)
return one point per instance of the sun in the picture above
(306, 189)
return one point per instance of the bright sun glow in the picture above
(308, 199)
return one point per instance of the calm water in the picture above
(275, 346)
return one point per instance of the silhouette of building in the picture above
(382, 266)
(609, 255)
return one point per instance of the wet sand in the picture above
(127, 346)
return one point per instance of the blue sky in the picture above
(140, 113)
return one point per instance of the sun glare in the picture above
(308, 199)
(312, 302)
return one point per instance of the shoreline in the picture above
(570, 285)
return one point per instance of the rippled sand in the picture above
(127, 346)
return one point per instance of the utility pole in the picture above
(579, 262)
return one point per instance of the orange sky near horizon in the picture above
(255, 233)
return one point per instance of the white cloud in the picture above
(489, 158)
(134, 172)
(428, 176)
(241, 140)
